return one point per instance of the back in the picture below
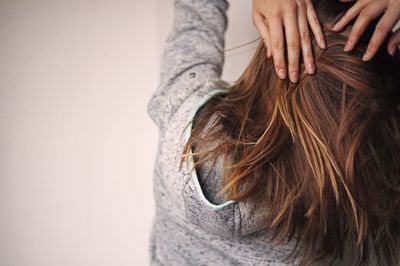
(321, 154)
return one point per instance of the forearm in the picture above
(193, 51)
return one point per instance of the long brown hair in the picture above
(324, 154)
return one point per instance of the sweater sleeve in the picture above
(193, 54)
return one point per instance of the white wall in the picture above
(77, 147)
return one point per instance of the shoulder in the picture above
(173, 108)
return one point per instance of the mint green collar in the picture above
(188, 132)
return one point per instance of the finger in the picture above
(293, 45)
(262, 28)
(305, 41)
(361, 24)
(348, 16)
(383, 27)
(315, 26)
(277, 45)
(393, 44)
(267, 41)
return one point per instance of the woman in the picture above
(270, 172)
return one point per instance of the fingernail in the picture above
(282, 73)
(294, 76)
(393, 52)
(336, 27)
(347, 47)
(322, 43)
(366, 56)
(310, 68)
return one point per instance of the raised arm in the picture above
(193, 54)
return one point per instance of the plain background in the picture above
(77, 147)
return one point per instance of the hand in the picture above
(366, 11)
(272, 18)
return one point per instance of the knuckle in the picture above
(314, 19)
(291, 6)
(372, 46)
(277, 44)
(353, 10)
(382, 27)
(292, 44)
(274, 13)
(279, 65)
(301, 3)
(361, 22)
(304, 35)
(365, 14)
(346, 17)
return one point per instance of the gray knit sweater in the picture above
(191, 225)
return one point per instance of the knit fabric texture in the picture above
(192, 226)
